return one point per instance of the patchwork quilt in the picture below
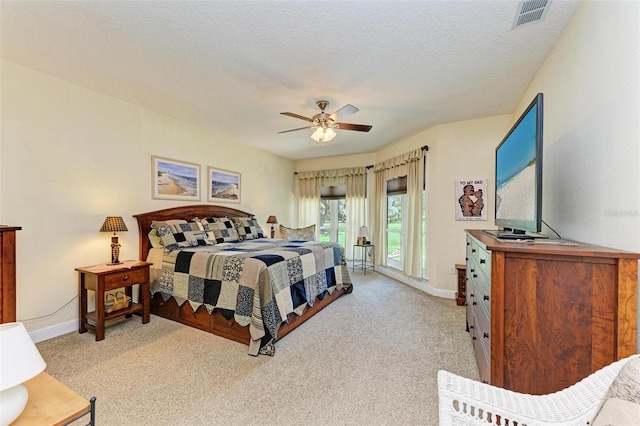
(257, 282)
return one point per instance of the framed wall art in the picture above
(174, 180)
(224, 185)
(470, 199)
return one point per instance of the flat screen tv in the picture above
(519, 175)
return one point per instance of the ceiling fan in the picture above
(325, 124)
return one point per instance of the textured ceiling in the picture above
(233, 66)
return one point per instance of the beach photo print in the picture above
(223, 186)
(175, 180)
(470, 199)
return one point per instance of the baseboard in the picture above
(54, 331)
(419, 284)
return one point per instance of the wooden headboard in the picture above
(183, 212)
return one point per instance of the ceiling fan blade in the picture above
(299, 128)
(356, 127)
(343, 112)
(291, 114)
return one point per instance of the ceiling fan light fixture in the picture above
(323, 134)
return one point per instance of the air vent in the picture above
(530, 11)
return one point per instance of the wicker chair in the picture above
(469, 402)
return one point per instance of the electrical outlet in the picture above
(452, 269)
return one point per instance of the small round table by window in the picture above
(366, 258)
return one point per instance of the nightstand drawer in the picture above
(113, 281)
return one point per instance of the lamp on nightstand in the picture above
(19, 362)
(114, 224)
(272, 220)
(363, 235)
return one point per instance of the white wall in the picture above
(592, 127)
(591, 164)
(71, 157)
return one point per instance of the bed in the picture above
(253, 292)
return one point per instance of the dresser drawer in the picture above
(472, 249)
(482, 357)
(484, 262)
(482, 289)
(113, 281)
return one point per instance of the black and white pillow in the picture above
(220, 230)
(177, 233)
(248, 228)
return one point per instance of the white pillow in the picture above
(624, 393)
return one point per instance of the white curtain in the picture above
(410, 165)
(356, 208)
(308, 186)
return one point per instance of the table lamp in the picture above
(114, 224)
(19, 362)
(272, 220)
(363, 235)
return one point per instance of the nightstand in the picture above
(104, 277)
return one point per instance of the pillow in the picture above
(154, 239)
(175, 233)
(248, 228)
(308, 233)
(220, 230)
(621, 404)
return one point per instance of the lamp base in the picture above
(114, 263)
(12, 403)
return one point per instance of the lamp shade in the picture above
(363, 232)
(19, 357)
(323, 134)
(272, 219)
(113, 224)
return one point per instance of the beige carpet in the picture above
(369, 358)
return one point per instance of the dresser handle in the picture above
(485, 335)
(471, 327)
(475, 276)
(472, 295)
(484, 381)
(486, 297)
(472, 270)
(473, 250)
(474, 303)
(483, 260)
(125, 278)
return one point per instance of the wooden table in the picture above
(52, 403)
(104, 277)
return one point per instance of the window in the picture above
(333, 214)
(396, 205)
(397, 223)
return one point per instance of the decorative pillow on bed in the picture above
(308, 233)
(154, 239)
(248, 228)
(220, 230)
(177, 233)
(621, 404)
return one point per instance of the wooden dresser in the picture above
(544, 316)
(8, 273)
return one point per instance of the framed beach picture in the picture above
(224, 185)
(175, 180)
(470, 201)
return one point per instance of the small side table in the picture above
(367, 252)
(51, 403)
(461, 296)
(102, 278)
